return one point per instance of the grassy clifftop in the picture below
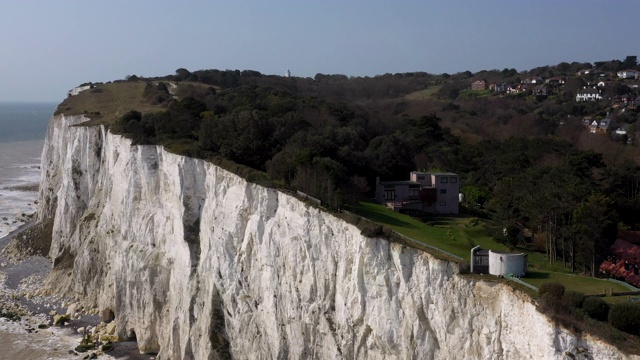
(105, 103)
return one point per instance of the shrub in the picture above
(573, 299)
(596, 308)
(625, 317)
(555, 290)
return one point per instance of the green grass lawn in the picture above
(425, 94)
(110, 100)
(458, 234)
(583, 284)
(454, 234)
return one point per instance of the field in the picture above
(107, 102)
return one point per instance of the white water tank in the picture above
(503, 263)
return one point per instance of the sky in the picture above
(48, 47)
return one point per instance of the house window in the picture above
(453, 180)
(389, 194)
(443, 191)
(421, 177)
(444, 180)
(414, 192)
(443, 203)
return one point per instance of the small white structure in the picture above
(77, 90)
(503, 263)
(499, 263)
(287, 73)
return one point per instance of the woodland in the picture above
(525, 160)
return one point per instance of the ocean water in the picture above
(22, 130)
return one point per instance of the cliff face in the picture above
(198, 263)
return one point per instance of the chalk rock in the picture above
(199, 263)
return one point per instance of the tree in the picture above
(630, 62)
(595, 223)
(182, 74)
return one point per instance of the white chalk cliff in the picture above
(200, 264)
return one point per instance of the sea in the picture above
(22, 129)
(23, 126)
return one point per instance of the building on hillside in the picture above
(629, 74)
(588, 94)
(555, 81)
(499, 263)
(479, 85)
(77, 90)
(585, 72)
(437, 192)
(623, 261)
(500, 88)
(541, 90)
(534, 80)
(622, 130)
(604, 125)
(517, 90)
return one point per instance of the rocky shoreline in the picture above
(27, 306)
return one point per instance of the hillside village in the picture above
(618, 91)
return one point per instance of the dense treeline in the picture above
(331, 136)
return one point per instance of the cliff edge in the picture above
(195, 262)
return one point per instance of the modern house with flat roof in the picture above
(437, 192)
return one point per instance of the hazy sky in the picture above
(48, 47)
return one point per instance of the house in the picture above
(586, 121)
(541, 90)
(585, 72)
(77, 90)
(588, 94)
(627, 99)
(622, 130)
(437, 192)
(499, 263)
(533, 80)
(623, 262)
(605, 125)
(517, 90)
(629, 74)
(500, 88)
(555, 81)
(479, 85)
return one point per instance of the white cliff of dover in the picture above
(200, 264)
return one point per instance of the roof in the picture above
(625, 252)
(589, 91)
(400, 182)
(442, 173)
(630, 236)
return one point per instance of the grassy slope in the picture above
(459, 234)
(425, 94)
(110, 100)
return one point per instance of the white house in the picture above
(588, 94)
(629, 74)
(78, 89)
